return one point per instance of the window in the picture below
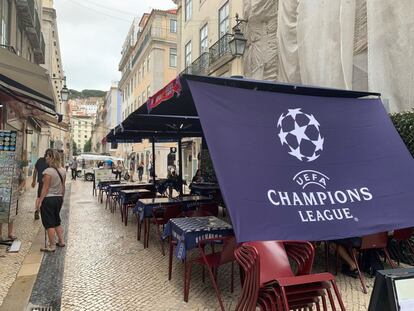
(204, 39)
(173, 57)
(86, 136)
(4, 22)
(224, 20)
(173, 25)
(188, 9)
(188, 54)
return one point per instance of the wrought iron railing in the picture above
(220, 48)
(200, 66)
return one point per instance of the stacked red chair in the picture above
(270, 282)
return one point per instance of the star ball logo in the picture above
(299, 133)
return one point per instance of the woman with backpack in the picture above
(51, 200)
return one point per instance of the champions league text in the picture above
(319, 198)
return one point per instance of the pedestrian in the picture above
(74, 168)
(118, 169)
(140, 170)
(132, 164)
(51, 200)
(67, 166)
(40, 166)
(10, 235)
(198, 177)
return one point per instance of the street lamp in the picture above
(64, 92)
(238, 42)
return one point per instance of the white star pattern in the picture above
(299, 132)
(296, 153)
(282, 136)
(319, 143)
(307, 121)
(294, 112)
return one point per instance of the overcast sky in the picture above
(91, 34)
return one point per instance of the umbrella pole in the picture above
(180, 173)
(153, 160)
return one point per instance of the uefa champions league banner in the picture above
(305, 167)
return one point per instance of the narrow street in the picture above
(104, 267)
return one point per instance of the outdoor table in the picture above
(126, 196)
(207, 189)
(144, 207)
(103, 186)
(113, 190)
(188, 231)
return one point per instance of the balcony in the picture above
(29, 18)
(200, 66)
(220, 51)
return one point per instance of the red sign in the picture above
(174, 87)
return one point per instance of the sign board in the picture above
(9, 173)
(103, 174)
(393, 290)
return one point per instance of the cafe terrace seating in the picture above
(372, 241)
(270, 283)
(212, 261)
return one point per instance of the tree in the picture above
(74, 148)
(404, 123)
(88, 145)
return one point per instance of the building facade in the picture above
(113, 115)
(26, 93)
(148, 63)
(83, 112)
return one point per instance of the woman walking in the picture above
(51, 200)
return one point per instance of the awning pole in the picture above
(180, 172)
(153, 160)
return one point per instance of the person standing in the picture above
(40, 166)
(74, 168)
(51, 200)
(140, 170)
(119, 169)
(132, 164)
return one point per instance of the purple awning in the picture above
(305, 167)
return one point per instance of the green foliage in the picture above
(88, 145)
(74, 148)
(85, 93)
(404, 123)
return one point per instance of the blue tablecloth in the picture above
(145, 210)
(190, 230)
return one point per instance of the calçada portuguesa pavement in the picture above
(104, 267)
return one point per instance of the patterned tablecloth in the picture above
(190, 230)
(145, 206)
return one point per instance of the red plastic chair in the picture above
(212, 261)
(372, 241)
(278, 286)
(211, 208)
(402, 236)
(160, 217)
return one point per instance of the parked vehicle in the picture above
(90, 161)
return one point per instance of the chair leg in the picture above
(161, 241)
(284, 299)
(336, 261)
(138, 227)
(338, 295)
(318, 308)
(361, 277)
(387, 255)
(213, 277)
(170, 257)
(331, 300)
(232, 277)
(324, 305)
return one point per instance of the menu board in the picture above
(103, 174)
(8, 176)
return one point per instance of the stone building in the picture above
(148, 63)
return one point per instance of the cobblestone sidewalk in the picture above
(25, 228)
(108, 269)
